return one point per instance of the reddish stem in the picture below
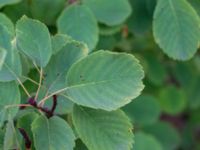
(54, 103)
(72, 1)
(26, 138)
(32, 102)
(49, 112)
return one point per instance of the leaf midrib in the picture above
(99, 82)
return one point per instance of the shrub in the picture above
(71, 74)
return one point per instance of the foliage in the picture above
(99, 75)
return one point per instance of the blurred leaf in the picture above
(188, 76)
(141, 17)
(106, 42)
(188, 138)
(78, 22)
(196, 61)
(185, 73)
(165, 134)
(180, 38)
(146, 142)
(172, 100)
(80, 145)
(7, 23)
(46, 11)
(196, 5)
(1, 138)
(143, 110)
(107, 30)
(194, 94)
(156, 72)
(15, 12)
(8, 2)
(108, 13)
(103, 130)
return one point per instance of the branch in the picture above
(40, 83)
(55, 93)
(26, 138)
(54, 103)
(31, 80)
(18, 105)
(23, 87)
(49, 113)
(72, 1)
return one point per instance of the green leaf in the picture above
(111, 12)
(15, 12)
(34, 40)
(80, 145)
(143, 110)
(27, 65)
(57, 68)
(156, 71)
(193, 93)
(64, 105)
(52, 10)
(59, 41)
(140, 20)
(176, 28)
(145, 142)
(11, 68)
(103, 80)
(25, 122)
(165, 134)
(185, 74)
(6, 22)
(3, 115)
(195, 4)
(196, 62)
(9, 95)
(78, 22)
(187, 138)
(3, 54)
(8, 2)
(109, 30)
(52, 134)
(172, 100)
(1, 138)
(107, 42)
(11, 139)
(102, 130)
